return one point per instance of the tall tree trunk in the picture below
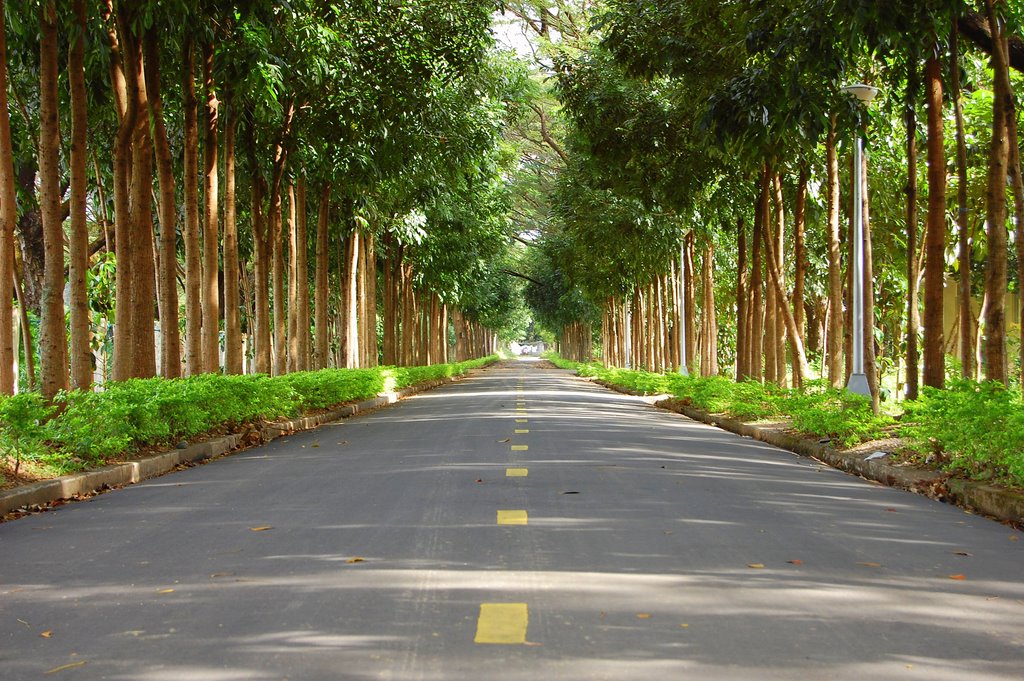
(966, 325)
(371, 303)
(278, 283)
(211, 228)
(771, 305)
(143, 285)
(81, 349)
(690, 291)
(293, 282)
(913, 312)
(995, 263)
(322, 281)
(8, 218)
(232, 273)
(780, 326)
(834, 340)
(391, 278)
(302, 273)
(710, 345)
(742, 305)
(762, 228)
(935, 236)
(800, 253)
(53, 342)
(870, 363)
(190, 233)
(170, 337)
(126, 110)
(800, 368)
(1018, 206)
(352, 298)
(261, 314)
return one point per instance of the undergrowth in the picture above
(91, 428)
(972, 429)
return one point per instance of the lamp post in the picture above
(858, 382)
(681, 300)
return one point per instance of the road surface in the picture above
(522, 525)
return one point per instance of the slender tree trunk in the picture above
(691, 299)
(870, 363)
(771, 305)
(709, 354)
(293, 283)
(966, 326)
(935, 236)
(8, 218)
(780, 326)
(278, 283)
(81, 350)
(1018, 207)
(352, 299)
(800, 253)
(190, 233)
(834, 340)
(371, 304)
(391, 279)
(800, 368)
(53, 342)
(170, 337)
(211, 228)
(232, 274)
(742, 304)
(322, 281)
(913, 312)
(995, 263)
(261, 314)
(302, 274)
(362, 301)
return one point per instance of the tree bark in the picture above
(742, 305)
(190, 232)
(800, 253)
(53, 343)
(352, 300)
(935, 236)
(913, 312)
(780, 326)
(81, 348)
(211, 217)
(690, 291)
(278, 275)
(371, 303)
(800, 368)
(834, 340)
(293, 282)
(302, 275)
(964, 265)
(8, 219)
(995, 264)
(170, 336)
(232, 275)
(322, 276)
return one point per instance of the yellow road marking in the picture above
(512, 518)
(521, 431)
(520, 448)
(521, 421)
(502, 623)
(517, 472)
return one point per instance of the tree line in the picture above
(253, 180)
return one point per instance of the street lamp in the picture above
(858, 382)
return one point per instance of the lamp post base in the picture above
(858, 384)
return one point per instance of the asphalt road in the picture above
(636, 544)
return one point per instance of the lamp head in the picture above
(864, 93)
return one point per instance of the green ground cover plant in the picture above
(971, 429)
(91, 428)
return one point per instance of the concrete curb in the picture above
(37, 494)
(995, 502)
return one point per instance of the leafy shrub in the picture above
(978, 428)
(843, 416)
(21, 437)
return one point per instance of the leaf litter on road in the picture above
(63, 667)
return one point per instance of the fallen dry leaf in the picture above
(24, 622)
(221, 574)
(478, 480)
(356, 559)
(508, 439)
(958, 577)
(1014, 537)
(165, 591)
(643, 616)
(47, 634)
(61, 668)
(962, 553)
(795, 561)
(863, 564)
(755, 566)
(262, 528)
(315, 444)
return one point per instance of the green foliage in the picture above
(93, 427)
(974, 428)
(844, 417)
(21, 437)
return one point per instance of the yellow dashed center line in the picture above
(520, 448)
(521, 431)
(521, 420)
(517, 472)
(502, 623)
(516, 517)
